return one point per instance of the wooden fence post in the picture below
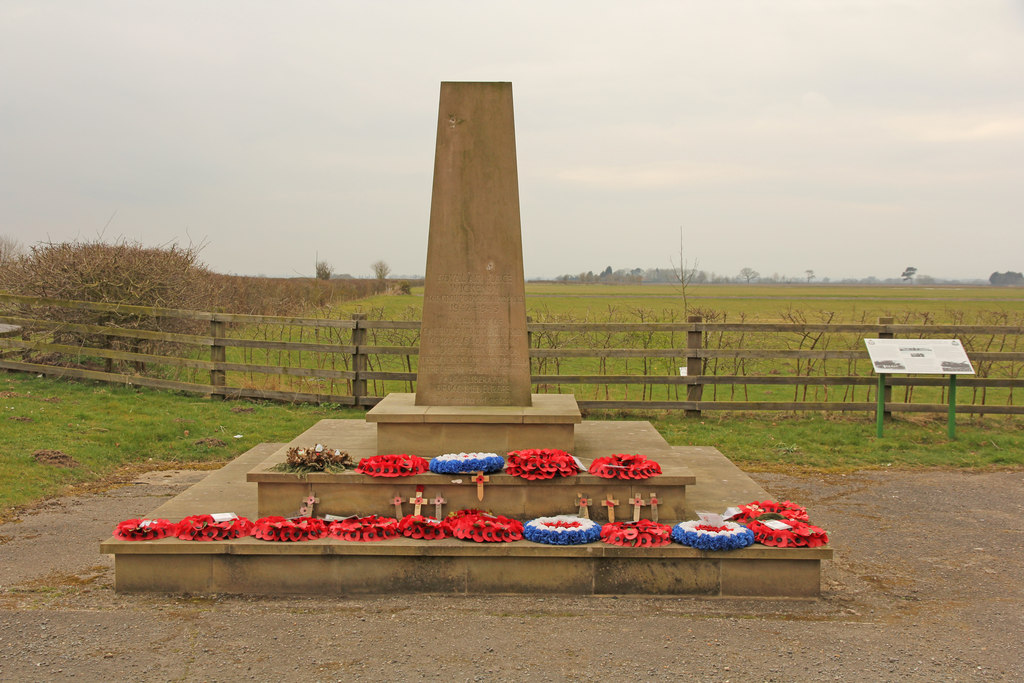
(218, 353)
(694, 364)
(887, 414)
(358, 358)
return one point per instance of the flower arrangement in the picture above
(483, 527)
(799, 535)
(305, 460)
(562, 530)
(697, 534)
(370, 528)
(392, 465)
(464, 463)
(422, 527)
(144, 529)
(623, 466)
(281, 529)
(645, 533)
(206, 528)
(541, 463)
(784, 510)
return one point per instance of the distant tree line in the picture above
(1007, 279)
(748, 275)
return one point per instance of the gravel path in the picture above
(925, 585)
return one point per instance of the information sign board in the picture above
(919, 356)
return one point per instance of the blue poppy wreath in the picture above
(464, 463)
(698, 534)
(562, 530)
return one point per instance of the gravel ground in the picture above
(925, 585)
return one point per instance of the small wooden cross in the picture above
(610, 503)
(584, 504)
(654, 507)
(637, 502)
(397, 502)
(438, 502)
(418, 500)
(480, 479)
(306, 509)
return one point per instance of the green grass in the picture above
(735, 303)
(105, 427)
(843, 443)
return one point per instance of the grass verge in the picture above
(837, 443)
(108, 429)
(112, 431)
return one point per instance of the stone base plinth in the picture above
(428, 431)
(449, 566)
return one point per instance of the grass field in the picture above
(906, 304)
(106, 428)
(111, 429)
(735, 303)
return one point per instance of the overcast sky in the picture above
(851, 138)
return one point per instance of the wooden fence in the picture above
(817, 367)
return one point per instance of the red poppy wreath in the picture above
(483, 527)
(421, 527)
(281, 529)
(786, 509)
(624, 467)
(369, 528)
(642, 534)
(393, 465)
(144, 529)
(206, 528)
(798, 535)
(540, 463)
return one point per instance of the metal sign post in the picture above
(918, 356)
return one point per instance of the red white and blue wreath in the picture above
(698, 534)
(464, 463)
(562, 530)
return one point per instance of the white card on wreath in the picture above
(731, 512)
(711, 518)
(224, 516)
(777, 524)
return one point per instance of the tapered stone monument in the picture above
(473, 345)
(473, 377)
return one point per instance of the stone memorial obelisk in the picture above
(473, 344)
(473, 380)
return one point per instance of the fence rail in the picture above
(729, 366)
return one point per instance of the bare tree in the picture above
(683, 273)
(323, 270)
(749, 274)
(381, 270)
(10, 249)
(810, 275)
